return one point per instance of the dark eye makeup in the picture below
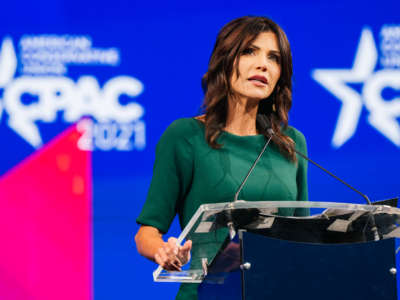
(248, 50)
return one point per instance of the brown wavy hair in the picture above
(232, 40)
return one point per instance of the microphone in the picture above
(231, 217)
(265, 122)
(334, 176)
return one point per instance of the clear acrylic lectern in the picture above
(259, 250)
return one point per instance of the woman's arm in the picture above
(168, 255)
(172, 176)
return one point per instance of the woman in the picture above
(204, 159)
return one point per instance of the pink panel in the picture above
(46, 224)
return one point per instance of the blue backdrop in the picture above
(135, 66)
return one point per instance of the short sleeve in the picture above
(301, 176)
(172, 176)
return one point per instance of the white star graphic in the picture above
(334, 80)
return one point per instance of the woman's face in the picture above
(259, 68)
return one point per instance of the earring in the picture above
(273, 107)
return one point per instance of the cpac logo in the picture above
(382, 112)
(116, 124)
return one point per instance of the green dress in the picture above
(188, 173)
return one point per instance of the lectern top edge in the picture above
(212, 225)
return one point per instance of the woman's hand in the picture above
(172, 257)
(168, 255)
